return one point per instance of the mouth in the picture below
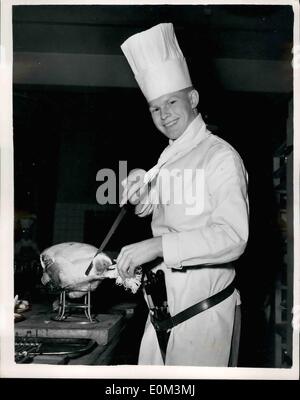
(170, 123)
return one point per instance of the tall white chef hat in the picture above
(157, 61)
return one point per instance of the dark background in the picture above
(66, 129)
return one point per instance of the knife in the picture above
(114, 226)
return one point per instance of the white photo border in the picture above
(8, 368)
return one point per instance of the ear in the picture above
(194, 98)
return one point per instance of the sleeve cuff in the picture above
(141, 210)
(170, 245)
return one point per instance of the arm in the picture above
(224, 237)
(222, 240)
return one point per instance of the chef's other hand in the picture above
(136, 254)
(132, 185)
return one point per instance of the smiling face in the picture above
(173, 112)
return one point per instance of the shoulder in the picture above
(219, 151)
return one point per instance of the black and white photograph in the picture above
(149, 189)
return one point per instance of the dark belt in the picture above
(190, 312)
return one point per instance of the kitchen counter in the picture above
(105, 333)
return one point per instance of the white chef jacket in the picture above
(216, 233)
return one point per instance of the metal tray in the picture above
(26, 348)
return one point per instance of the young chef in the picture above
(199, 206)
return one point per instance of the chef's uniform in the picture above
(199, 240)
(195, 249)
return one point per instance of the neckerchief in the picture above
(192, 136)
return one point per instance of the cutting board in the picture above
(38, 323)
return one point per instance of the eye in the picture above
(154, 110)
(173, 101)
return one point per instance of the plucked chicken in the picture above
(64, 267)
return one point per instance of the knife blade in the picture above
(109, 235)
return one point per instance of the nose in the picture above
(164, 112)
